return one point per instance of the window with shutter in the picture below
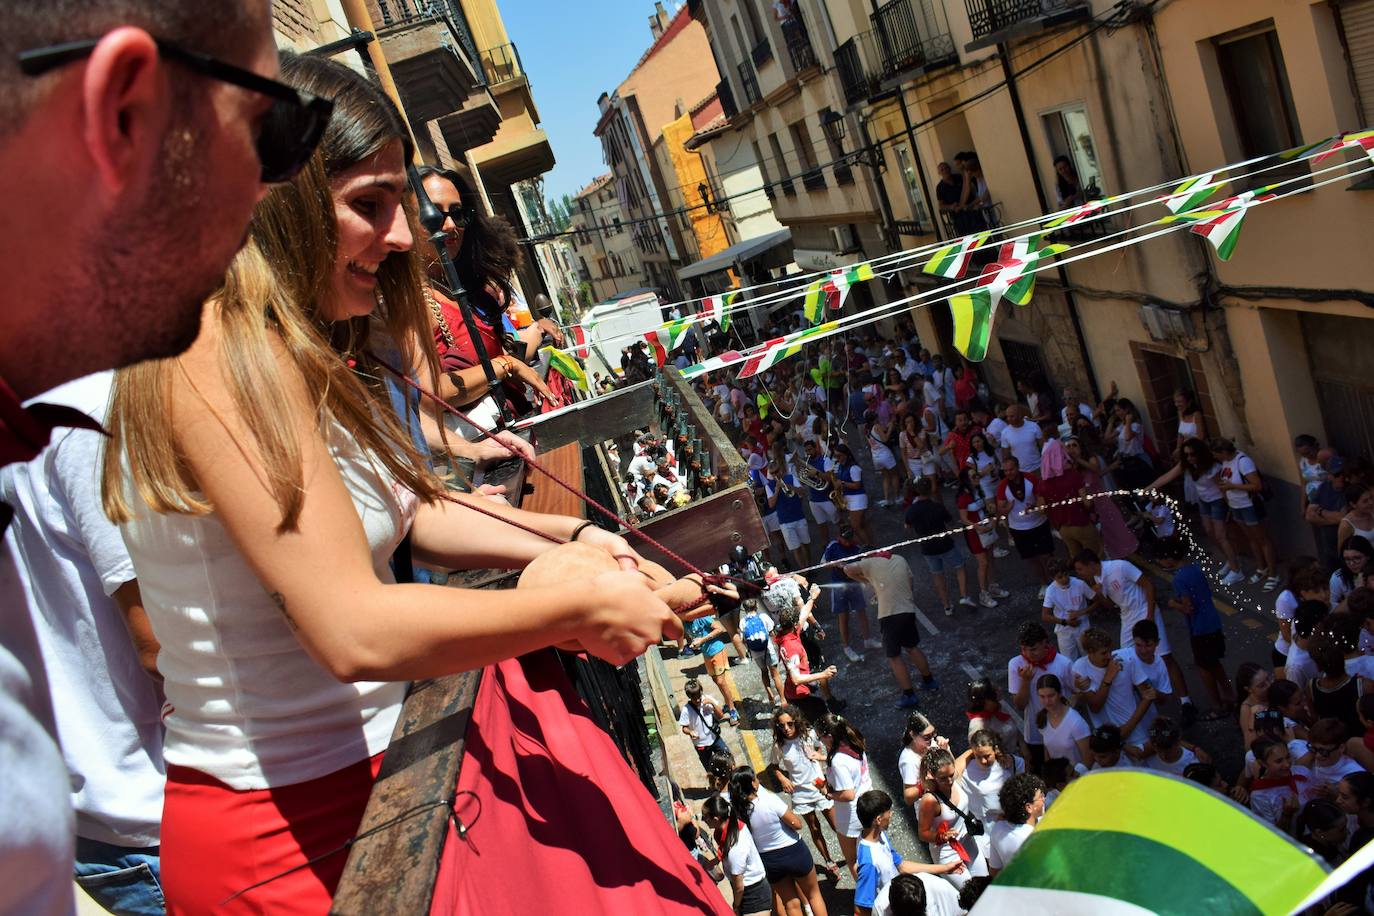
(1357, 24)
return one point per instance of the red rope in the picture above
(609, 513)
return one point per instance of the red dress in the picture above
(557, 821)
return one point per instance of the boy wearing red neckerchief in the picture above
(1037, 657)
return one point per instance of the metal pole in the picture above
(1010, 77)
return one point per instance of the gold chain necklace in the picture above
(440, 321)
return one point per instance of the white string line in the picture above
(1215, 182)
(1203, 557)
(877, 313)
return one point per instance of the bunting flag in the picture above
(1362, 140)
(578, 338)
(1192, 193)
(829, 292)
(1221, 225)
(655, 344)
(718, 308)
(1126, 841)
(675, 332)
(720, 361)
(1078, 214)
(769, 354)
(567, 366)
(951, 261)
(1011, 277)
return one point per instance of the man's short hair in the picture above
(1097, 639)
(1032, 634)
(209, 27)
(871, 805)
(1146, 630)
(906, 896)
(1017, 794)
(1086, 557)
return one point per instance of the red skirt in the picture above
(217, 842)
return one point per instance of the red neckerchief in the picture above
(1291, 781)
(725, 828)
(25, 432)
(846, 749)
(1046, 664)
(1000, 715)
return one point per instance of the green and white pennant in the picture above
(1221, 225)
(951, 261)
(830, 291)
(778, 349)
(1012, 277)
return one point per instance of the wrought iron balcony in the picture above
(798, 45)
(972, 219)
(989, 17)
(911, 35)
(430, 50)
(855, 80)
(762, 53)
(404, 12)
(748, 82)
(727, 99)
(814, 180)
(501, 64)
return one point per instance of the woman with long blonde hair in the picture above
(262, 483)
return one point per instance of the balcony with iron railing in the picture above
(993, 20)
(814, 179)
(762, 52)
(501, 64)
(798, 40)
(971, 219)
(431, 54)
(727, 99)
(748, 82)
(858, 80)
(912, 35)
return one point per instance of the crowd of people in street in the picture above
(976, 480)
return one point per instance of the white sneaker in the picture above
(853, 656)
(986, 600)
(966, 601)
(949, 610)
(1000, 552)
(998, 591)
(1233, 577)
(873, 644)
(1255, 577)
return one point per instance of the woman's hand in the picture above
(613, 544)
(785, 784)
(623, 618)
(493, 450)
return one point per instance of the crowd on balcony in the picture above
(879, 424)
(211, 616)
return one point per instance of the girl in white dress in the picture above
(798, 760)
(945, 830)
(1064, 730)
(846, 778)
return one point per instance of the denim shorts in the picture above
(1215, 510)
(949, 560)
(1249, 515)
(121, 879)
(847, 598)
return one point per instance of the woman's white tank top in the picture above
(245, 702)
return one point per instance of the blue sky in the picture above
(572, 53)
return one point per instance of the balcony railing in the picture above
(748, 82)
(973, 219)
(854, 80)
(912, 34)
(798, 44)
(404, 12)
(501, 64)
(727, 99)
(986, 17)
(814, 180)
(762, 52)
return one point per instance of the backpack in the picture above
(755, 633)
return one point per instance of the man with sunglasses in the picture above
(130, 161)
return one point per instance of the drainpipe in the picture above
(355, 11)
(1010, 77)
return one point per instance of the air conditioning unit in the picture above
(1165, 323)
(843, 239)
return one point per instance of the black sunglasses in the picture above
(290, 130)
(460, 215)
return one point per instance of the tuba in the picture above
(807, 474)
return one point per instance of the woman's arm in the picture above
(1169, 476)
(322, 577)
(925, 819)
(1084, 751)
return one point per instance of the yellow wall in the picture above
(688, 171)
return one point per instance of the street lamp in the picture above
(832, 125)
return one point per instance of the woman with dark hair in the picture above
(1322, 825)
(981, 539)
(1117, 538)
(485, 254)
(787, 863)
(1064, 730)
(983, 769)
(984, 712)
(1359, 521)
(1201, 472)
(796, 762)
(846, 777)
(740, 858)
(851, 477)
(1356, 569)
(918, 737)
(943, 821)
(1133, 462)
(1067, 189)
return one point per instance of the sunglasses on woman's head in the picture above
(290, 130)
